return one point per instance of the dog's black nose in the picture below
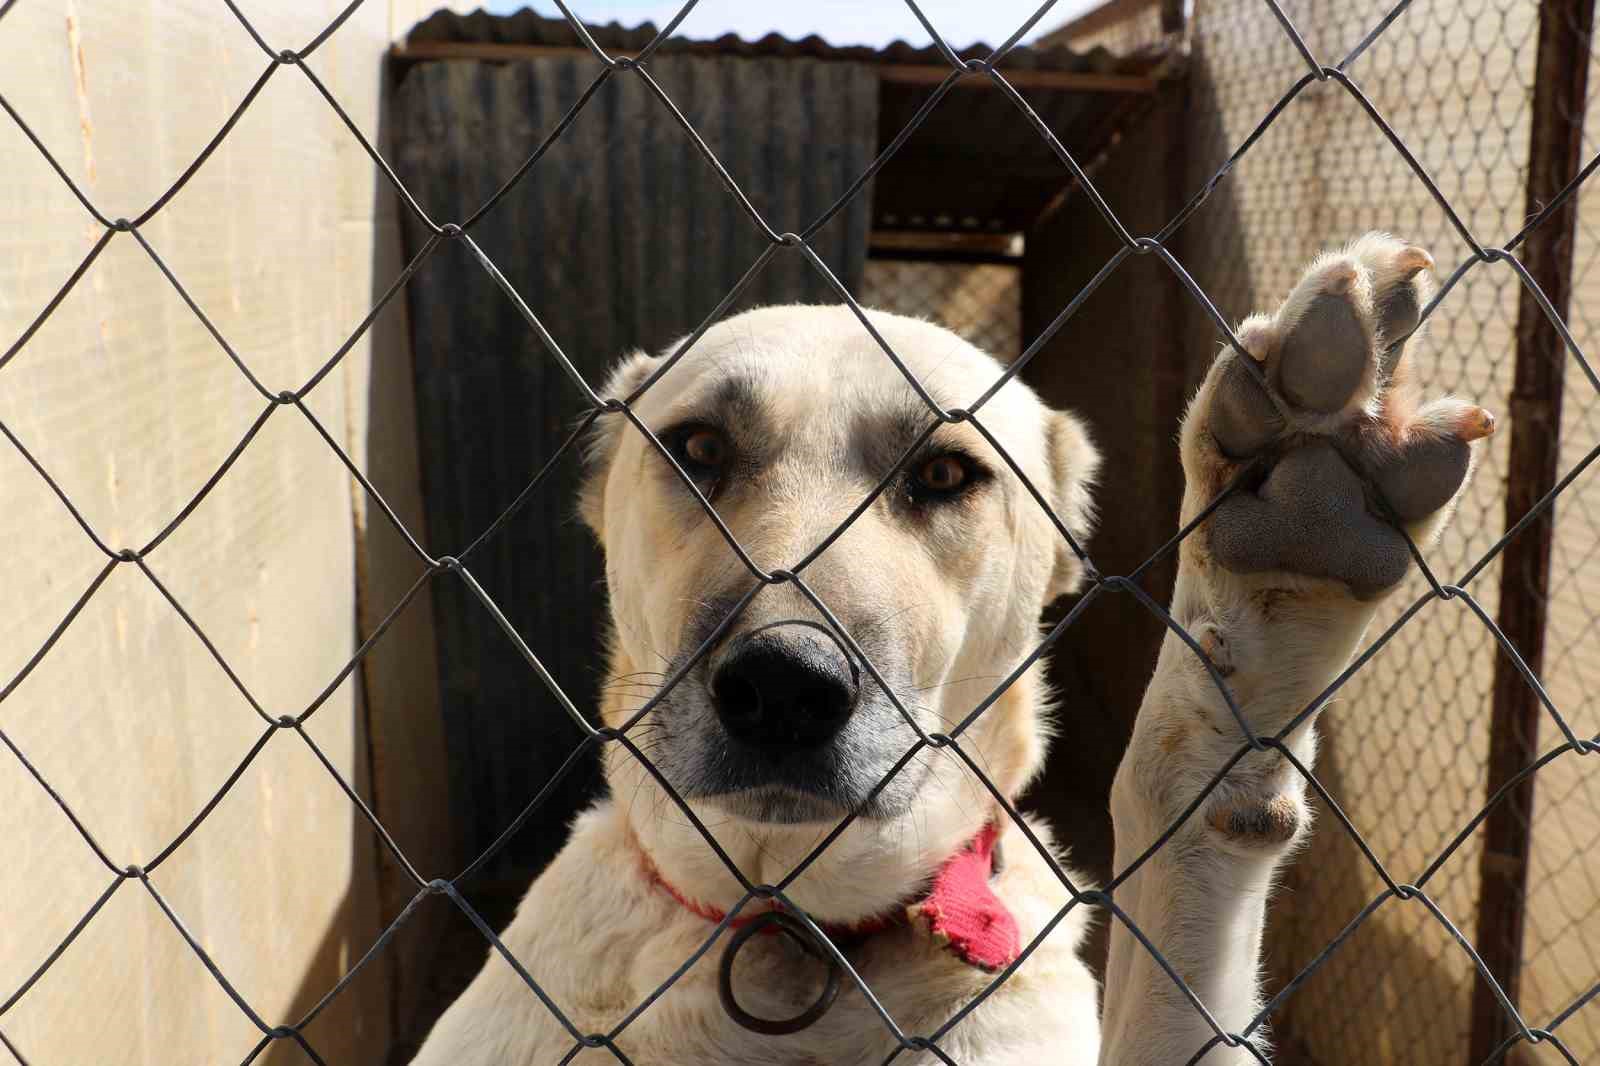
(782, 694)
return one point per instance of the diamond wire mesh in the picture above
(980, 301)
(1419, 895)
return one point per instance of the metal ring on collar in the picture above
(796, 930)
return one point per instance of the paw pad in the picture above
(1325, 355)
(1344, 445)
(1274, 821)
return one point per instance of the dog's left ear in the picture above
(1073, 462)
(601, 447)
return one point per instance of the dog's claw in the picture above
(1412, 261)
(1325, 353)
(1476, 423)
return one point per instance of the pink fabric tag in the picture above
(964, 913)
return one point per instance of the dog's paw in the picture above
(1340, 451)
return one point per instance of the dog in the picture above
(809, 720)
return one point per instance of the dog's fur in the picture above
(943, 594)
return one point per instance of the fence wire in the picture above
(1484, 251)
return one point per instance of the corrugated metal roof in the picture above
(975, 163)
(527, 27)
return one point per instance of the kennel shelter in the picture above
(631, 240)
(251, 725)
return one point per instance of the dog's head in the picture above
(786, 419)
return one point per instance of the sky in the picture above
(841, 22)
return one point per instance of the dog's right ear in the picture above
(1074, 463)
(601, 447)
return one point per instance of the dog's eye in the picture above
(705, 447)
(700, 450)
(944, 474)
(944, 477)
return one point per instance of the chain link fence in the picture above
(1345, 107)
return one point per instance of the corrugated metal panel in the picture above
(620, 237)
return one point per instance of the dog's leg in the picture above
(1277, 587)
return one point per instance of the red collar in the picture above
(961, 909)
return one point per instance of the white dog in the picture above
(784, 419)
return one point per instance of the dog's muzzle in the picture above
(785, 687)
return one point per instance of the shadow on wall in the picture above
(398, 730)
(1370, 1023)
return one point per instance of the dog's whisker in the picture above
(633, 674)
(957, 681)
(878, 623)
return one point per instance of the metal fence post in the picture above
(1555, 142)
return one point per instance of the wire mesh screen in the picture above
(980, 301)
(1307, 119)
